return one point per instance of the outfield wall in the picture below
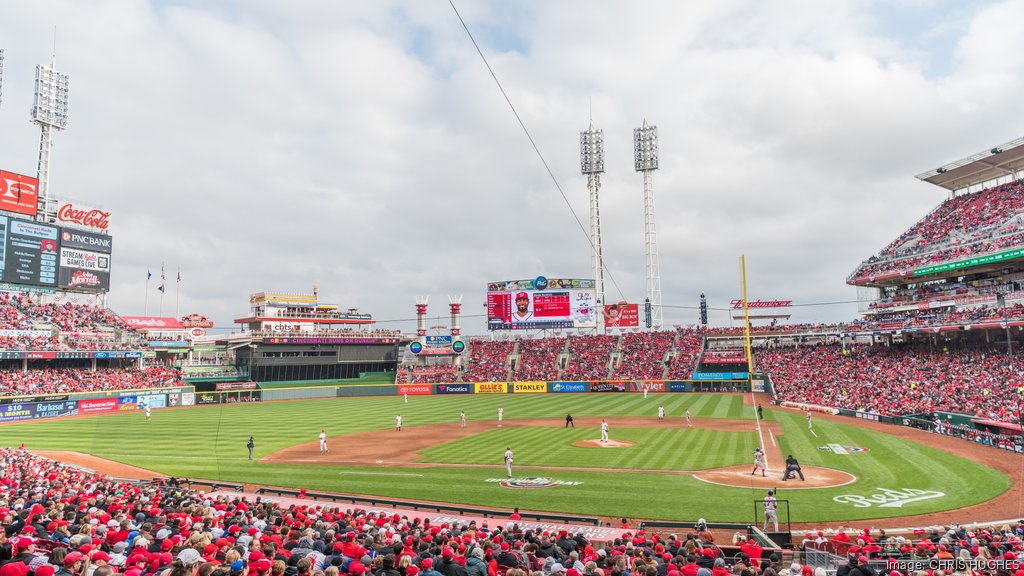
(16, 408)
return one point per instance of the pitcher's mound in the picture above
(740, 476)
(599, 444)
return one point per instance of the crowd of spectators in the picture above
(287, 332)
(689, 343)
(589, 357)
(65, 380)
(64, 521)
(642, 355)
(427, 374)
(893, 381)
(963, 226)
(488, 360)
(938, 317)
(538, 358)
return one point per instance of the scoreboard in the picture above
(541, 304)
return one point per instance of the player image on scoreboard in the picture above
(521, 305)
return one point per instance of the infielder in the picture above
(689, 419)
(758, 461)
(508, 461)
(462, 419)
(770, 505)
(398, 423)
(323, 440)
(661, 412)
(604, 430)
(501, 415)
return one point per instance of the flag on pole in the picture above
(162, 275)
(160, 288)
(149, 275)
(179, 275)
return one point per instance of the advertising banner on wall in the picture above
(608, 387)
(454, 389)
(12, 412)
(572, 387)
(19, 193)
(415, 389)
(153, 401)
(97, 405)
(56, 409)
(649, 386)
(678, 386)
(622, 315)
(187, 399)
(529, 387)
(490, 387)
(718, 376)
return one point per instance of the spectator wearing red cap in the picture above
(506, 557)
(72, 564)
(427, 568)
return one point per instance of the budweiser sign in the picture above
(83, 278)
(88, 217)
(738, 304)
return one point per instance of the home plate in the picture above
(380, 461)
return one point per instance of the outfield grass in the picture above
(653, 449)
(209, 442)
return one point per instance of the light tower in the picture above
(50, 112)
(592, 164)
(645, 159)
(421, 316)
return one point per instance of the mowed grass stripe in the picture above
(209, 442)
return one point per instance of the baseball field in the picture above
(653, 469)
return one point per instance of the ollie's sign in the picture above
(92, 218)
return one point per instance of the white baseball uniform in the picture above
(462, 419)
(398, 422)
(501, 415)
(508, 462)
(604, 430)
(323, 441)
(661, 412)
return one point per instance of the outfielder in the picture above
(758, 461)
(405, 397)
(462, 419)
(809, 426)
(147, 410)
(501, 415)
(398, 423)
(645, 391)
(323, 440)
(770, 506)
(604, 430)
(508, 461)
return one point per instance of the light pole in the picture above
(592, 164)
(50, 112)
(645, 159)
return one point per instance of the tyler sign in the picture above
(86, 217)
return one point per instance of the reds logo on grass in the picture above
(532, 482)
(840, 449)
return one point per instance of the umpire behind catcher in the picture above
(792, 467)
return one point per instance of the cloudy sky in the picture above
(365, 148)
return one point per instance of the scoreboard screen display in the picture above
(541, 304)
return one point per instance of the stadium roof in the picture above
(1003, 160)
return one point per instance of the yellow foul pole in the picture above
(746, 320)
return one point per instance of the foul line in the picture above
(813, 432)
(772, 437)
(380, 473)
(760, 435)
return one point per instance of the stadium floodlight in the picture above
(50, 112)
(645, 158)
(592, 164)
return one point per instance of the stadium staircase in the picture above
(512, 360)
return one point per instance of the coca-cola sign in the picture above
(92, 218)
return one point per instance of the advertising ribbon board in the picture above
(568, 387)
(97, 405)
(415, 389)
(490, 387)
(454, 389)
(608, 387)
(529, 387)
